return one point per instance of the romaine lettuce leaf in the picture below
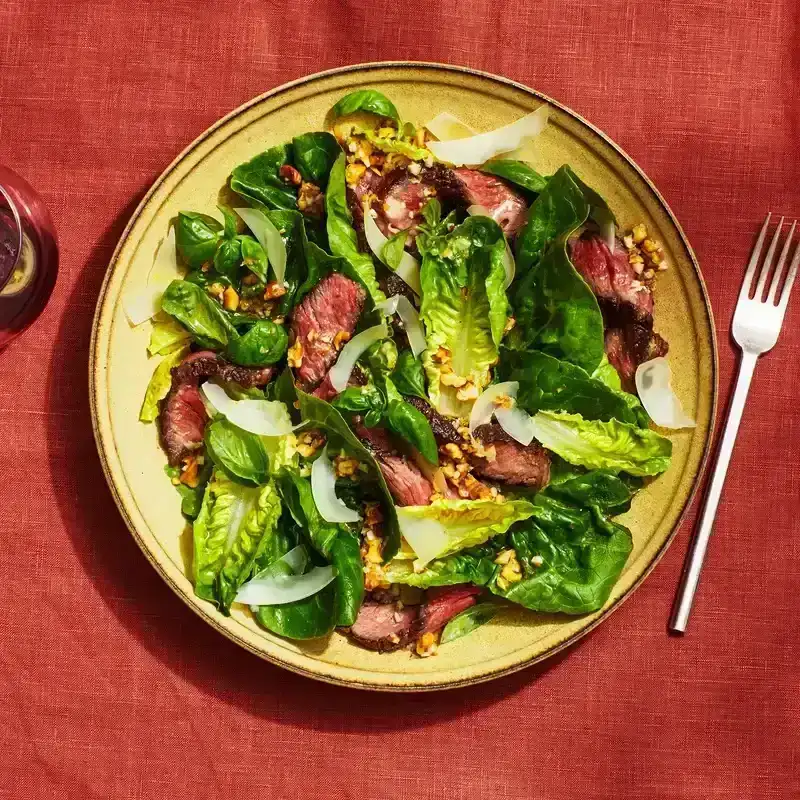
(342, 237)
(464, 307)
(166, 335)
(448, 526)
(158, 388)
(225, 506)
(258, 526)
(612, 445)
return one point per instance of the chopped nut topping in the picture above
(468, 392)
(216, 290)
(510, 323)
(309, 442)
(189, 471)
(442, 355)
(451, 379)
(274, 290)
(427, 644)
(353, 173)
(639, 233)
(230, 299)
(537, 561)
(414, 168)
(454, 451)
(310, 200)
(340, 338)
(504, 401)
(345, 467)
(294, 356)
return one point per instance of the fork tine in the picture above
(776, 279)
(751, 267)
(762, 280)
(791, 275)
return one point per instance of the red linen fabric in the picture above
(110, 688)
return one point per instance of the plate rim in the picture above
(95, 361)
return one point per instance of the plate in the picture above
(119, 368)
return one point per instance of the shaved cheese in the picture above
(408, 269)
(446, 126)
(609, 232)
(400, 305)
(278, 590)
(351, 352)
(480, 148)
(146, 303)
(269, 237)
(508, 259)
(426, 536)
(517, 423)
(654, 385)
(262, 417)
(484, 407)
(323, 489)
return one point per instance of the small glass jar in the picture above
(28, 255)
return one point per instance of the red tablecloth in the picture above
(111, 688)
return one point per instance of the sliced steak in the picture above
(506, 206)
(384, 627)
(443, 603)
(183, 422)
(514, 463)
(443, 429)
(183, 416)
(626, 304)
(407, 484)
(331, 308)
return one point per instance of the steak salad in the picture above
(405, 380)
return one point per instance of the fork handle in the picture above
(699, 545)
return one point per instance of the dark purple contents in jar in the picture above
(9, 245)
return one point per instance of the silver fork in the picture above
(756, 325)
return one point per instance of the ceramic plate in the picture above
(119, 369)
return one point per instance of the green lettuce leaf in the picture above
(517, 172)
(322, 415)
(342, 237)
(464, 307)
(166, 335)
(259, 179)
(314, 155)
(252, 536)
(308, 618)
(158, 388)
(368, 100)
(225, 506)
(570, 555)
(555, 309)
(546, 383)
(448, 526)
(582, 557)
(594, 444)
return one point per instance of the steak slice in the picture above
(183, 415)
(443, 603)
(331, 308)
(514, 463)
(626, 304)
(384, 626)
(506, 206)
(407, 484)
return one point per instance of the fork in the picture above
(756, 325)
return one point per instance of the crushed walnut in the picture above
(294, 355)
(645, 255)
(310, 200)
(309, 442)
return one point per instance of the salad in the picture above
(403, 379)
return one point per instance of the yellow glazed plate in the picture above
(120, 370)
